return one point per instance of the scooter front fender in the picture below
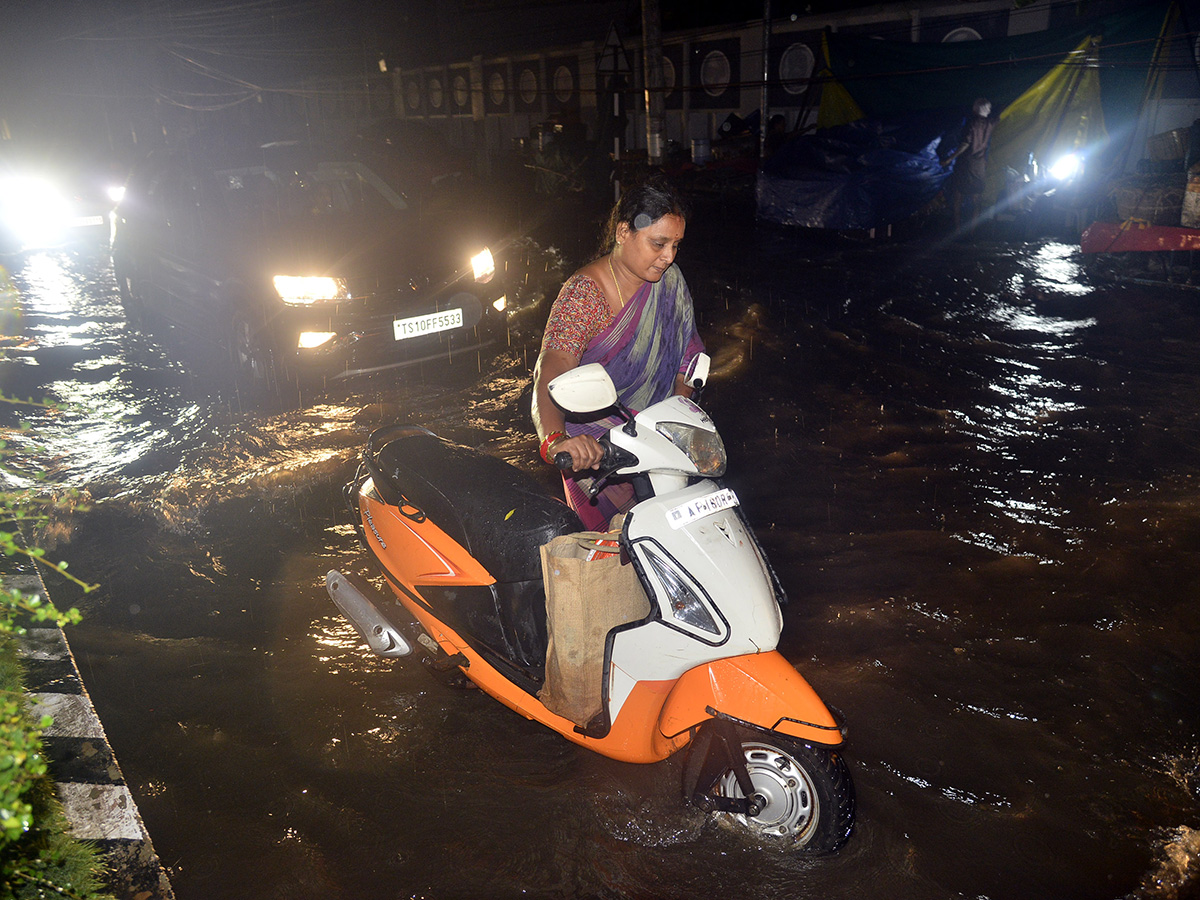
(761, 689)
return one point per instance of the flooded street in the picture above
(975, 467)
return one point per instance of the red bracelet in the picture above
(550, 438)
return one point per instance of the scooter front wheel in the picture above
(803, 796)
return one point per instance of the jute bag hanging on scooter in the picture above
(585, 599)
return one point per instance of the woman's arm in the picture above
(548, 419)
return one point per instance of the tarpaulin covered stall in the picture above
(866, 173)
(1057, 88)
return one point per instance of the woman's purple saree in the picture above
(649, 342)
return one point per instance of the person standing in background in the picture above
(967, 180)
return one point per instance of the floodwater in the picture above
(975, 466)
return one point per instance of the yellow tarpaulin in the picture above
(1060, 114)
(837, 106)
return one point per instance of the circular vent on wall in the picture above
(796, 67)
(715, 73)
(564, 84)
(527, 84)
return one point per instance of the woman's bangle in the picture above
(550, 439)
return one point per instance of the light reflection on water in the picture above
(1056, 267)
(53, 293)
(114, 426)
(107, 424)
(1028, 403)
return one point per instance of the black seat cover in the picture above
(498, 513)
(501, 516)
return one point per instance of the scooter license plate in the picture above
(701, 507)
(416, 326)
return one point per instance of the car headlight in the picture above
(33, 208)
(311, 340)
(704, 448)
(305, 290)
(483, 265)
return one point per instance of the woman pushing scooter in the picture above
(653, 638)
(630, 311)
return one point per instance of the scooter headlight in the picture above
(704, 448)
(685, 604)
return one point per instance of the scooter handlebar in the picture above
(564, 460)
(614, 458)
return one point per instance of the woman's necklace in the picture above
(617, 283)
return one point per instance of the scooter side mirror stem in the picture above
(697, 374)
(630, 427)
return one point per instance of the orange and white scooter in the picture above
(457, 534)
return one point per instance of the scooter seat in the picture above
(498, 513)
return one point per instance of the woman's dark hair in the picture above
(642, 204)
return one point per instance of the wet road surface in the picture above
(975, 466)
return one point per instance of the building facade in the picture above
(715, 79)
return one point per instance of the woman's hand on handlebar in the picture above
(585, 451)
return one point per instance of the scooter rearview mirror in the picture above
(584, 389)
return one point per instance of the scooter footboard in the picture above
(761, 689)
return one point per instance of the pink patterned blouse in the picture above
(579, 314)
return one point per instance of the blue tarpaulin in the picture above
(871, 172)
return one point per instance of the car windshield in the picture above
(325, 189)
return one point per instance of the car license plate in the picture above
(431, 323)
(701, 507)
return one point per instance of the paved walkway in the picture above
(90, 785)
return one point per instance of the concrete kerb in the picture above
(93, 792)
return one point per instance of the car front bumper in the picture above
(353, 339)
